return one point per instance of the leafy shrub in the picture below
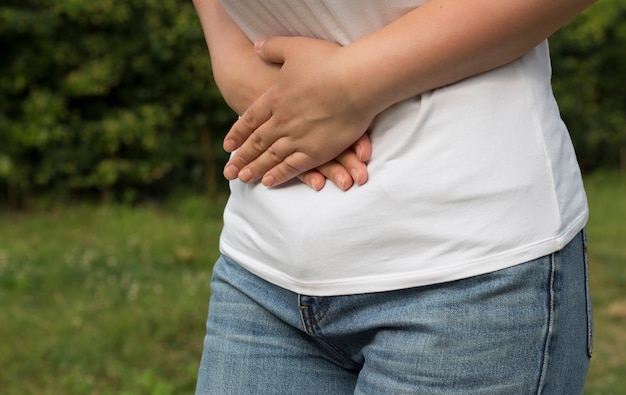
(111, 98)
(115, 99)
(589, 59)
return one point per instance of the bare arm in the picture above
(242, 77)
(445, 41)
(233, 58)
(343, 88)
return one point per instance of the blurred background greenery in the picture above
(114, 100)
(111, 190)
(107, 100)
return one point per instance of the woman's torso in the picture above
(464, 180)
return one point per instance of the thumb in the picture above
(271, 49)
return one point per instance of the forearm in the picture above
(326, 95)
(242, 77)
(239, 73)
(445, 41)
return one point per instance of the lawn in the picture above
(607, 266)
(105, 300)
(112, 299)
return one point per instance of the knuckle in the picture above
(257, 142)
(274, 154)
(249, 119)
(291, 166)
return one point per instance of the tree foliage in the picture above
(589, 62)
(111, 98)
(115, 99)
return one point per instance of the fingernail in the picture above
(341, 182)
(245, 175)
(230, 145)
(359, 153)
(317, 184)
(355, 177)
(268, 180)
(259, 44)
(230, 172)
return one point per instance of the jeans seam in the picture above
(310, 318)
(588, 305)
(550, 329)
(306, 324)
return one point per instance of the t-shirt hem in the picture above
(404, 280)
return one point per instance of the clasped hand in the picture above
(306, 120)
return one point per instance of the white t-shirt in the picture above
(464, 180)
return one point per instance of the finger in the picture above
(363, 148)
(272, 49)
(253, 165)
(313, 178)
(337, 173)
(255, 116)
(298, 162)
(291, 167)
(257, 145)
(351, 163)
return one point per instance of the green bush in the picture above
(589, 61)
(111, 98)
(115, 100)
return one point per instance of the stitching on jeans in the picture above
(549, 332)
(304, 316)
(323, 310)
(588, 306)
(312, 314)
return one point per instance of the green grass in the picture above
(607, 266)
(112, 299)
(105, 300)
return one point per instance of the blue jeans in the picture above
(522, 330)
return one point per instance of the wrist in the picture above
(364, 91)
(237, 86)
